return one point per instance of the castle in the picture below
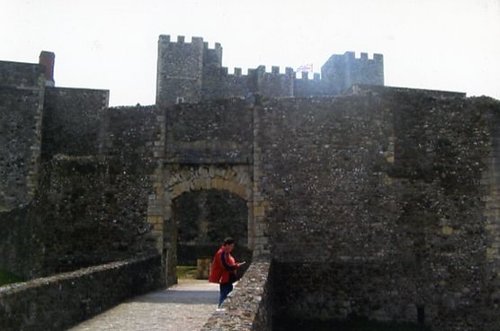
(192, 72)
(354, 199)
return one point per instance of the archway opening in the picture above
(202, 220)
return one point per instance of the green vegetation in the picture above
(186, 272)
(8, 278)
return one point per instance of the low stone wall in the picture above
(249, 306)
(58, 302)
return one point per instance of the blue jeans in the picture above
(225, 289)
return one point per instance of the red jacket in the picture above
(223, 265)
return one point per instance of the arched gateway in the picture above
(204, 147)
(180, 180)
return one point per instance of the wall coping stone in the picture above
(248, 306)
(60, 301)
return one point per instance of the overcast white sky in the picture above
(112, 44)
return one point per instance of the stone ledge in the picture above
(60, 301)
(249, 306)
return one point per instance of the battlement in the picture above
(181, 40)
(363, 56)
(196, 73)
(217, 46)
(304, 75)
(237, 72)
(275, 70)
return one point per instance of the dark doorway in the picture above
(204, 219)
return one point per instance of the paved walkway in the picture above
(185, 306)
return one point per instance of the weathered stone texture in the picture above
(212, 132)
(340, 72)
(382, 204)
(377, 199)
(90, 209)
(323, 165)
(179, 70)
(192, 72)
(21, 104)
(18, 245)
(249, 306)
(71, 122)
(58, 302)
(20, 75)
(306, 87)
(178, 180)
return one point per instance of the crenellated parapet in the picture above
(191, 72)
(274, 83)
(341, 72)
(181, 68)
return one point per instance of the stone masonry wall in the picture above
(17, 244)
(21, 102)
(89, 209)
(491, 184)
(94, 208)
(375, 207)
(176, 180)
(61, 301)
(249, 306)
(72, 120)
(326, 157)
(20, 75)
(179, 70)
(340, 72)
(191, 72)
(212, 132)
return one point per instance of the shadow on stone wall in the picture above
(61, 301)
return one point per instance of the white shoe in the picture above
(220, 309)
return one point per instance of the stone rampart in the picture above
(18, 245)
(72, 121)
(191, 72)
(341, 71)
(250, 305)
(90, 209)
(212, 132)
(21, 75)
(377, 206)
(58, 302)
(21, 104)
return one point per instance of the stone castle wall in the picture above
(71, 121)
(61, 301)
(381, 204)
(376, 207)
(342, 71)
(92, 197)
(179, 70)
(191, 72)
(212, 132)
(21, 104)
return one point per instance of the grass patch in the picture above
(8, 278)
(186, 272)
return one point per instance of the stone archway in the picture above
(174, 180)
(202, 219)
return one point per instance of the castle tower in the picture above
(340, 72)
(182, 67)
(47, 60)
(213, 72)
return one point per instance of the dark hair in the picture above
(228, 241)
